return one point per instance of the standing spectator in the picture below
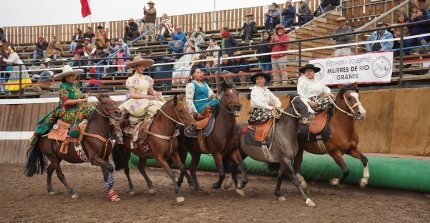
(265, 60)
(198, 36)
(2, 36)
(40, 50)
(304, 14)
(341, 29)
(325, 6)
(279, 60)
(241, 68)
(165, 30)
(88, 33)
(213, 46)
(249, 28)
(273, 16)
(19, 70)
(77, 36)
(100, 38)
(150, 14)
(54, 49)
(381, 34)
(288, 14)
(227, 42)
(131, 30)
(178, 36)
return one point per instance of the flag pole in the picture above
(89, 4)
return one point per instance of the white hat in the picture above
(68, 70)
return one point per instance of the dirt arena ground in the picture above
(25, 199)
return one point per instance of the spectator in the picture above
(93, 82)
(178, 36)
(150, 14)
(418, 30)
(213, 46)
(100, 38)
(249, 28)
(40, 50)
(427, 11)
(43, 78)
(265, 60)
(79, 49)
(88, 33)
(304, 13)
(198, 36)
(183, 67)
(288, 14)
(76, 61)
(165, 30)
(77, 36)
(89, 48)
(4, 76)
(397, 32)
(342, 28)
(241, 68)
(279, 60)
(414, 10)
(191, 43)
(177, 47)
(3, 36)
(325, 6)
(210, 69)
(19, 71)
(381, 34)
(228, 42)
(124, 46)
(226, 64)
(54, 49)
(272, 16)
(131, 30)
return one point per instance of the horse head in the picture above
(109, 108)
(301, 109)
(182, 113)
(351, 101)
(230, 98)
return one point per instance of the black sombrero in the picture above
(309, 66)
(266, 76)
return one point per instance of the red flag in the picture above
(85, 10)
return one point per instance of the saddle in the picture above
(137, 129)
(263, 152)
(318, 130)
(262, 130)
(318, 123)
(203, 129)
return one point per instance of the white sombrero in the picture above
(138, 60)
(68, 70)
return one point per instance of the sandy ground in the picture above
(25, 199)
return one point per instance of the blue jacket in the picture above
(180, 36)
(289, 13)
(387, 45)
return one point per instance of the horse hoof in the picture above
(52, 192)
(215, 186)
(341, 186)
(180, 199)
(334, 181)
(282, 198)
(302, 181)
(363, 183)
(241, 192)
(132, 192)
(310, 203)
(228, 184)
(151, 190)
(74, 196)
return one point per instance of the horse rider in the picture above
(263, 102)
(73, 107)
(199, 95)
(312, 91)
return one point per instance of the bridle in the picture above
(296, 113)
(231, 111)
(104, 113)
(352, 113)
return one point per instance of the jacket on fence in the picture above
(342, 39)
(386, 45)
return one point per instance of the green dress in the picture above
(72, 114)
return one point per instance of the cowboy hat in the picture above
(151, 2)
(341, 19)
(309, 66)
(68, 70)
(249, 13)
(260, 74)
(100, 27)
(138, 60)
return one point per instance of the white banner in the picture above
(375, 67)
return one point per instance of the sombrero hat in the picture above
(309, 66)
(151, 2)
(68, 70)
(258, 74)
(138, 60)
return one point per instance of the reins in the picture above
(347, 104)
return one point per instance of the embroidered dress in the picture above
(313, 90)
(72, 114)
(141, 107)
(198, 97)
(262, 103)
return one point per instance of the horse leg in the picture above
(183, 156)
(345, 172)
(195, 159)
(60, 175)
(163, 163)
(182, 168)
(221, 173)
(297, 167)
(142, 170)
(49, 171)
(228, 168)
(358, 155)
(277, 192)
(235, 155)
(108, 184)
(125, 156)
(291, 174)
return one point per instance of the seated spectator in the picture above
(165, 30)
(304, 13)
(212, 46)
(288, 14)
(14, 83)
(226, 64)
(325, 6)
(427, 11)
(198, 36)
(131, 30)
(249, 27)
(40, 50)
(419, 29)
(124, 46)
(88, 33)
(342, 28)
(79, 49)
(89, 49)
(413, 14)
(120, 61)
(241, 68)
(177, 47)
(265, 60)
(93, 82)
(76, 61)
(192, 43)
(183, 67)
(382, 34)
(44, 77)
(4, 76)
(272, 16)
(2, 36)
(178, 36)
(210, 69)
(100, 38)
(227, 42)
(54, 49)
(397, 32)
(77, 36)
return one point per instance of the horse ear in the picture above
(226, 85)
(100, 97)
(354, 85)
(175, 100)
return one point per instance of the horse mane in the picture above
(349, 87)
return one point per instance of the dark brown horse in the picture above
(95, 144)
(219, 141)
(343, 138)
(162, 141)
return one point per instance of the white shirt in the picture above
(308, 88)
(262, 97)
(189, 96)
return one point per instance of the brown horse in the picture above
(162, 140)
(95, 144)
(219, 141)
(343, 138)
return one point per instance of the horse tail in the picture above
(273, 166)
(36, 160)
(117, 160)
